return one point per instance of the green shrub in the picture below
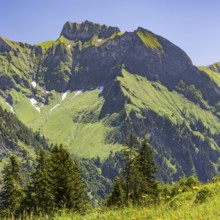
(179, 200)
(216, 179)
(203, 195)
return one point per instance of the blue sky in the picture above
(193, 25)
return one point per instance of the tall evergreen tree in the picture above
(12, 194)
(40, 196)
(117, 196)
(68, 186)
(145, 169)
(139, 171)
(129, 155)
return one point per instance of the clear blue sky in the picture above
(193, 25)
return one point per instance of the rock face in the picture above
(86, 31)
(148, 86)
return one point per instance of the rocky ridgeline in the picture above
(92, 55)
(86, 31)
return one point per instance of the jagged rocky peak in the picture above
(86, 30)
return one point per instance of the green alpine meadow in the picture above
(105, 124)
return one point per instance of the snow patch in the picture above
(64, 95)
(101, 88)
(54, 107)
(33, 83)
(11, 108)
(44, 91)
(34, 104)
(78, 92)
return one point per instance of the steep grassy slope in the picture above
(214, 75)
(70, 119)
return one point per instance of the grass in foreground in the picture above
(202, 203)
(209, 210)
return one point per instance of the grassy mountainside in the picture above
(94, 85)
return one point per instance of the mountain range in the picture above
(94, 85)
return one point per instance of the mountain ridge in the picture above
(94, 85)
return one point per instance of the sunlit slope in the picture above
(70, 119)
(215, 76)
(147, 95)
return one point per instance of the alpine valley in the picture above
(94, 85)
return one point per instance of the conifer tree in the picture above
(146, 169)
(129, 156)
(68, 186)
(117, 196)
(139, 171)
(12, 194)
(40, 196)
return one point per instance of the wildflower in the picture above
(195, 188)
(144, 196)
(168, 197)
(180, 190)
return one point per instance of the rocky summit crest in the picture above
(86, 30)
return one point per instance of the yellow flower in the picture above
(168, 197)
(144, 196)
(196, 188)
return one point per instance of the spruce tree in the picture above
(12, 193)
(146, 167)
(129, 155)
(117, 196)
(40, 195)
(68, 186)
(139, 171)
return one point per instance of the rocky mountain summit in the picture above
(86, 31)
(94, 85)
